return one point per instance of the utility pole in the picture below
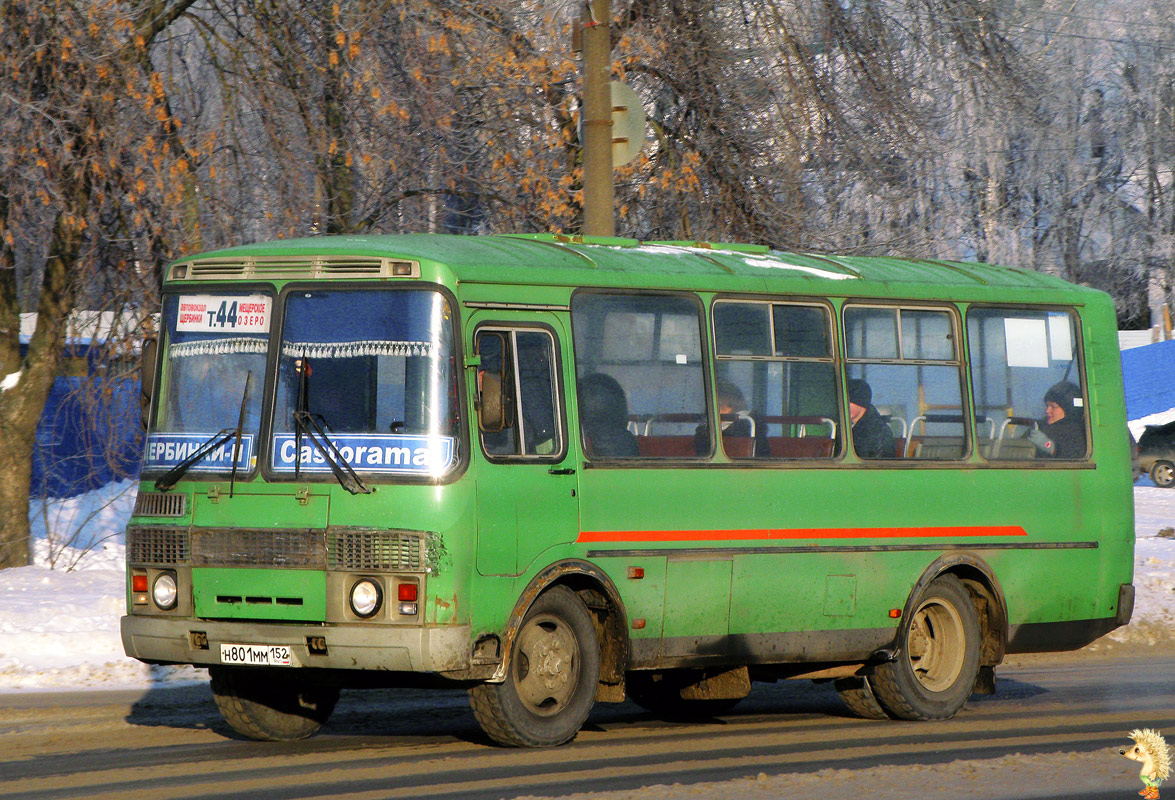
(598, 213)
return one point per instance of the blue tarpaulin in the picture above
(89, 433)
(1148, 374)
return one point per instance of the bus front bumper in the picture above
(400, 648)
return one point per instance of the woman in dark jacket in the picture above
(1062, 431)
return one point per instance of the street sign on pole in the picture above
(628, 124)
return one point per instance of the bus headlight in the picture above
(366, 597)
(165, 592)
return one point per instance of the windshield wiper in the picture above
(311, 426)
(173, 475)
(232, 481)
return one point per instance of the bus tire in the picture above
(938, 656)
(858, 697)
(1163, 474)
(551, 681)
(271, 708)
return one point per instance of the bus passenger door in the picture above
(526, 481)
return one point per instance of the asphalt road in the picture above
(1050, 731)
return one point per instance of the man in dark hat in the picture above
(872, 438)
(1062, 432)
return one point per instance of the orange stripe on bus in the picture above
(961, 531)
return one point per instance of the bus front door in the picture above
(526, 482)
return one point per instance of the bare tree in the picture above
(87, 159)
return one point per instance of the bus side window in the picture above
(1028, 384)
(639, 356)
(518, 374)
(905, 364)
(776, 380)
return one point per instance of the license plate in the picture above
(257, 655)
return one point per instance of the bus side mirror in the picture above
(147, 378)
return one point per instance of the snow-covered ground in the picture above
(59, 618)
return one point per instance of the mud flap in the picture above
(985, 681)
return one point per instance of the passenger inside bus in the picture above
(732, 422)
(603, 415)
(872, 438)
(1062, 432)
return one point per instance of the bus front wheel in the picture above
(271, 708)
(938, 659)
(551, 682)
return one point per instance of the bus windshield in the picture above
(214, 348)
(374, 369)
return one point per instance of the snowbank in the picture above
(59, 617)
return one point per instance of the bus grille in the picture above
(336, 548)
(157, 545)
(258, 548)
(375, 549)
(160, 504)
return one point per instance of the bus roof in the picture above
(555, 259)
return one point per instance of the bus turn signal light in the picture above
(895, 613)
(406, 593)
(139, 588)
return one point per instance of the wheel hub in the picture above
(935, 645)
(550, 662)
(547, 668)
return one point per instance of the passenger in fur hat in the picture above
(1062, 431)
(872, 438)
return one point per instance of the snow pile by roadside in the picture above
(59, 624)
(1154, 568)
(59, 628)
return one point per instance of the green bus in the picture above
(557, 470)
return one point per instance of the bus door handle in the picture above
(561, 471)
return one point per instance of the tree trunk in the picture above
(15, 480)
(22, 403)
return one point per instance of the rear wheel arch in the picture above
(980, 580)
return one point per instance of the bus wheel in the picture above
(551, 683)
(938, 659)
(268, 707)
(1163, 474)
(858, 697)
(659, 693)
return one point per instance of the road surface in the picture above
(1051, 730)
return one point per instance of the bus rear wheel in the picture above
(858, 697)
(551, 681)
(938, 659)
(271, 708)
